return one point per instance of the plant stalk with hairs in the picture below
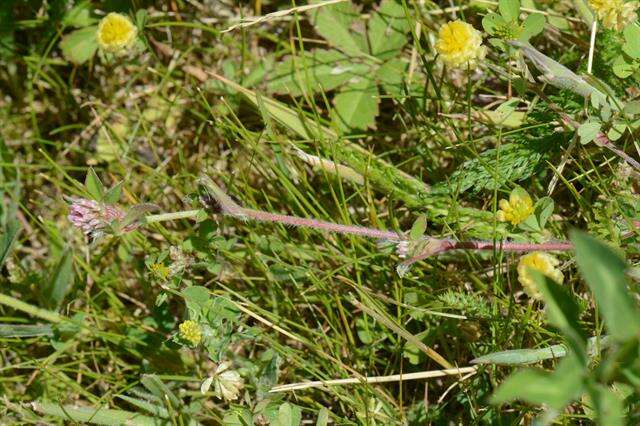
(217, 201)
(421, 249)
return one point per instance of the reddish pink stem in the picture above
(226, 205)
(320, 225)
(507, 246)
(446, 245)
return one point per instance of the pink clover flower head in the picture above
(95, 218)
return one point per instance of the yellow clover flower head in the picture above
(115, 32)
(191, 332)
(517, 209)
(615, 14)
(542, 262)
(460, 44)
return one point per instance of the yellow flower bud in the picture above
(541, 262)
(115, 32)
(460, 44)
(517, 209)
(191, 332)
(615, 14)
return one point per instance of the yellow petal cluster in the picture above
(615, 14)
(460, 44)
(516, 209)
(539, 261)
(115, 32)
(191, 332)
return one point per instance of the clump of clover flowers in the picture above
(459, 45)
(517, 208)
(116, 33)
(615, 14)
(99, 213)
(190, 332)
(542, 262)
(97, 218)
(112, 35)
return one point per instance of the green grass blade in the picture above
(28, 330)
(99, 416)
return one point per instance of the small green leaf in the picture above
(289, 415)
(418, 228)
(93, 185)
(159, 389)
(156, 410)
(141, 19)
(196, 295)
(356, 106)
(563, 312)
(491, 22)
(556, 389)
(238, 416)
(509, 9)
(391, 76)
(80, 45)
(632, 108)
(609, 406)
(616, 131)
(8, 238)
(543, 210)
(632, 41)
(604, 272)
(588, 131)
(79, 16)
(533, 25)
(605, 112)
(336, 23)
(530, 224)
(584, 11)
(323, 417)
(622, 68)
(136, 214)
(61, 280)
(511, 119)
(315, 71)
(95, 415)
(112, 196)
(387, 29)
(519, 192)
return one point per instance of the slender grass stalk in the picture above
(30, 309)
(376, 379)
(592, 45)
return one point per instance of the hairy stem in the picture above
(225, 205)
(442, 246)
(187, 214)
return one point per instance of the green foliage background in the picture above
(341, 113)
